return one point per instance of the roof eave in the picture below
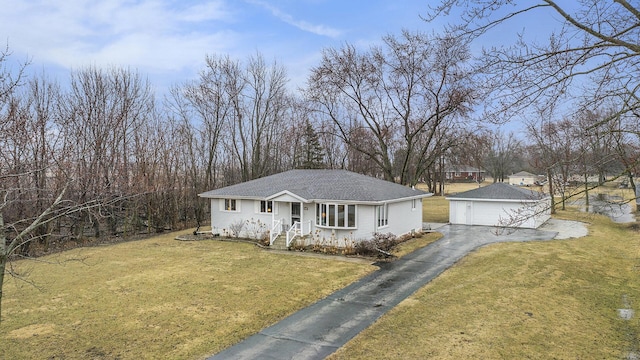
(242, 197)
(287, 192)
(497, 200)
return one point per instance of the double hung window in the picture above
(266, 207)
(382, 215)
(230, 205)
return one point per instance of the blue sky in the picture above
(167, 40)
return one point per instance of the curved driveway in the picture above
(320, 329)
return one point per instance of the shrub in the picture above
(256, 229)
(236, 228)
(384, 242)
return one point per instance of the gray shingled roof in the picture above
(500, 191)
(312, 185)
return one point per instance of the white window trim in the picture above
(223, 207)
(259, 207)
(414, 204)
(385, 217)
(346, 216)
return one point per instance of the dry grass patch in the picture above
(158, 298)
(435, 209)
(542, 300)
(411, 245)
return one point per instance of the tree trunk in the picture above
(553, 200)
(586, 192)
(3, 259)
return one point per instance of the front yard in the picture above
(157, 298)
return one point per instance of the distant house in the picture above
(316, 204)
(464, 174)
(500, 204)
(523, 178)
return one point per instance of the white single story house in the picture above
(500, 204)
(523, 178)
(336, 206)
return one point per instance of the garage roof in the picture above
(500, 191)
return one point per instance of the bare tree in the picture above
(504, 155)
(259, 100)
(100, 117)
(335, 152)
(10, 79)
(405, 94)
(555, 152)
(9, 246)
(609, 149)
(593, 54)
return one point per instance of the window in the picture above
(321, 214)
(336, 215)
(341, 215)
(413, 204)
(351, 216)
(381, 212)
(332, 215)
(230, 205)
(266, 206)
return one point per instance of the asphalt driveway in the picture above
(320, 329)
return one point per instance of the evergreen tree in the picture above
(311, 155)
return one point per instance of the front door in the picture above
(295, 212)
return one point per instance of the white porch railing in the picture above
(298, 229)
(275, 231)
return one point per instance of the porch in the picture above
(291, 220)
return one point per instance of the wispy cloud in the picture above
(160, 35)
(322, 30)
(167, 40)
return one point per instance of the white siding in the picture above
(222, 220)
(365, 220)
(543, 212)
(461, 212)
(499, 213)
(402, 218)
(521, 180)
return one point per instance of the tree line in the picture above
(390, 112)
(402, 110)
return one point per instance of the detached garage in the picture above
(500, 204)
